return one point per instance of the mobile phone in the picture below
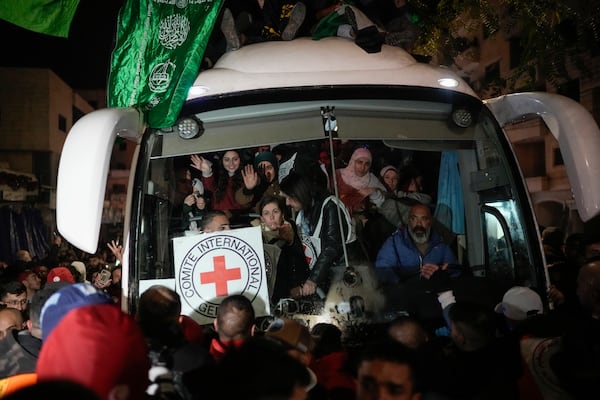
(105, 276)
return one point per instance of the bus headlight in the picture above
(189, 128)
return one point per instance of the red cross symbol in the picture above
(308, 259)
(220, 276)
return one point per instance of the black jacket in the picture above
(292, 267)
(19, 352)
(331, 241)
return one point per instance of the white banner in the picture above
(210, 267)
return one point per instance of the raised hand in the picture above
(201, 164)
(250, 177)
(116, 249)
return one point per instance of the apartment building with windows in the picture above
(493, 58)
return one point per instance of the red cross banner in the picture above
(212, 266)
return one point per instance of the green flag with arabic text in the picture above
(50, 17)
(160, 45)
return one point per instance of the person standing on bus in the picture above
(319, 226)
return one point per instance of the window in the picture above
(531, 156)
(62, 123)
(77, 113)
(492, 71)
(570, 89)
(557, 158)
(516, 52)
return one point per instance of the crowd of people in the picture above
(75, 341)
(518, 348)
(369, 23)
(307, 229)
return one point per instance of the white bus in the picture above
(297, 95)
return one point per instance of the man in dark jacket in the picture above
(20, 348)
(414, 250)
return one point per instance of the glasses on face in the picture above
(15, 303)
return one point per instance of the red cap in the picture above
(99, 347)
(60, 274)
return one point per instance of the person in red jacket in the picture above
(226, 183)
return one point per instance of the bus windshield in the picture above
(404, 152)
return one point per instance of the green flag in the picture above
(160, 45)
(51, 17)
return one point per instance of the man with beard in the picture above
(415, 251)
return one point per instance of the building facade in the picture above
(37, 110)
(494, 59)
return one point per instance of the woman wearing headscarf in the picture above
(358, 187)
(406, 182)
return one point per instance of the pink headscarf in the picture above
(350, 178)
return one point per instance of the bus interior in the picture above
(478, 199)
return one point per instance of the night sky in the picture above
(82, 60)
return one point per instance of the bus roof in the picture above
(329, 61)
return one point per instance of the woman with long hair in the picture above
(228, 181)
(319, 226)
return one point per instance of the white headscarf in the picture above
(360, 182)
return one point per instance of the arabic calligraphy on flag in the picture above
(159, 48)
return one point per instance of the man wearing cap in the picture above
(99, 347)
(299, 343)
(294, 336)
(261, 183)
(518, 304)
(60, 274)
(31, 281)
(65, 300)
(79, 268)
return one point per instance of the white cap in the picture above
(520, 303)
